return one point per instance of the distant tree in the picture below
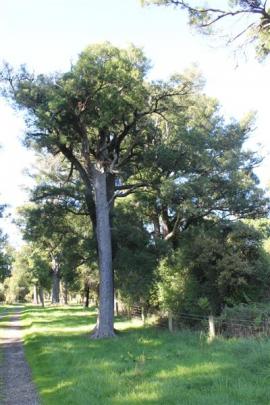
(62, 190)
(39, 226)
(6, 258)
(254, 25)
(88, 277)
(18, 285)
(39, 269)
(30, 271)
(6, 253)
(57, 234)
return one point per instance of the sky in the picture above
(47, 36)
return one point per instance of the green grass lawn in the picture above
(141, 366)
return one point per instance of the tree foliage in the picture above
(135, 256)
(218, 264)
(18, 285)
(200, 169)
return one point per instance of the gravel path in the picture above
(18, 388)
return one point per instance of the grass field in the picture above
(141, 366)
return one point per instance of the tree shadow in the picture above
(141, 366)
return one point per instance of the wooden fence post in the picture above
(170, 321)
(143, 315)
(116, 310)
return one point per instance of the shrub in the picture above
(245, 320)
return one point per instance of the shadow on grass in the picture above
(58, 308)
(109, 371)
(141, 366)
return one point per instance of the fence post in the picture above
(212, 332)
(116, 310)
(170, 321)
(143, 315)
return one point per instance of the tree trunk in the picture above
(35, 295)
(170, 321)
(55, 283)
(65, 293)
(165, 226)
(156, 224)
(104, 327)
(143, 314)
(41, 296)
(86, 295)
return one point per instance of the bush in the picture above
(245, 320)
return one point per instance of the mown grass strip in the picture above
(142, 365)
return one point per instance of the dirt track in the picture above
(15, 374)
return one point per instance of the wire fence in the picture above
(212, 325)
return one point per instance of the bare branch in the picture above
(70, 173)
(171, 234)
(131, 186)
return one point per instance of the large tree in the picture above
(97, 116)
(123, 134)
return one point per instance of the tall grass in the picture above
(143, 365)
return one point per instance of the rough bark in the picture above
(110, 181)
(65, 293)
(165, 225)
(104, 327)
(35, 294)
(86, 295)
(41, 296)
(156, 223)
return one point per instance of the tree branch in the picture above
(171, 234)
(130, 188)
